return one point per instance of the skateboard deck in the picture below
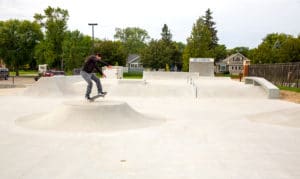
(97, 96)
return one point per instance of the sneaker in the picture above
(88, 98)
(103, 93)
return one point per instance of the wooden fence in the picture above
(280, 74)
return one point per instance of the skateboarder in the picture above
(89, 66)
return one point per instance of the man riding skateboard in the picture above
(87, 74)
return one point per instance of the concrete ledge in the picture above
(272, 90)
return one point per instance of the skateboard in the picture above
(97, 96)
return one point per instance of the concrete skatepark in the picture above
(166, 125)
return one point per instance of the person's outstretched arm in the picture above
(103, 62)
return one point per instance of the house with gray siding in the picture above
(234, 64)
(134, 63)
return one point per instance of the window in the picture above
(223, 68)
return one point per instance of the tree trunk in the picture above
(17, 70)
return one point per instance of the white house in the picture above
(134, 63)
(232, 64)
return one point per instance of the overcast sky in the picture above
(239, 22)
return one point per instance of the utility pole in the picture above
(93, 24)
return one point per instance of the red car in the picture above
(49, 73)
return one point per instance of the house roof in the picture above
(132, 57)
(233, 55)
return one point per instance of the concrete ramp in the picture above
(56, 86)
(75, 86)
(83, 116)
(183, 85)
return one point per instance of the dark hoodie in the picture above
(91, 64)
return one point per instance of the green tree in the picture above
(198, 44)
(185, 58)
(54, 20)
(242, 50)
(251, 54)
(178, 56)
(76, 47)
(263, 54)
(170, 52)
(208, 21)
(200, 40)
(163, 53)
(290, 50)
(133, 38)
(166, 35)
(17, 41)
(113, 52)
(219, 52)
(42, 53)
(269, 50)
(152, 55)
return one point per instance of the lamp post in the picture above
(93, 24)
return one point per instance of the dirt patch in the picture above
(290, 96)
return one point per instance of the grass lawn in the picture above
(133, 75)
(24, 73)
(227, 75)
(289, 89)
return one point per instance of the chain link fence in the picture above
(280, 74)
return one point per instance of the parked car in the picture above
(44, 71)
(4, 73)
(53, 73)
